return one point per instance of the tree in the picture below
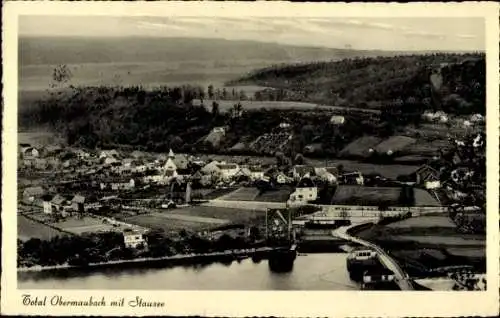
(299, 159)
(215, 109)
(243, 96)
(224, 93)
(280, 158)
(210, 91)
(60, 75)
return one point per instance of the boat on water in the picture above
(361, 260)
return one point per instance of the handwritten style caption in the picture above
(60, 301)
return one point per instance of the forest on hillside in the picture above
(166, 117)
(380, 82)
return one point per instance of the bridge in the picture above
(401, 278)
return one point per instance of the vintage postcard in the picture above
(250, 159)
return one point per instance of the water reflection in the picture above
(311, 272)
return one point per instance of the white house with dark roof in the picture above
(228, 170)
(133, 239)
(305, 191)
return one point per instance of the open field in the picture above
(241, 194)
(444, 240)
(358, 195)
(86, 224)
(416, 240)
(360, 146)
(155, 221)
(27, 229)
(424, 198)
(424, 221)
(190, 218)
(233, 215)
(394, 143)
(39, 137)
(253, 194)
(194, 218)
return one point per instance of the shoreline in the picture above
(164, 260)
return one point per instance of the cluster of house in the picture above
(442, 117)
(58, 204)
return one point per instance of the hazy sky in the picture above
(358, 33)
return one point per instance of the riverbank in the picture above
(425, 245)
(180, 259)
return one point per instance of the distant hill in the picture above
(378, 82)
(75, 50)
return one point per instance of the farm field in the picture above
(39, 137)
(358, 195)
(190, 218)
(193, 218)
(231, 214)
(360, 146)
(443, 240)
(86, 224)
(27, 229)
(155, 221)
(424, 198)
(241, 194)
(424, 221)
(252, 194)
(394, 143)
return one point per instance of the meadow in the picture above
(28, 229)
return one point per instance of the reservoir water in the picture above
(310, 272)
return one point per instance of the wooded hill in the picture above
(379, 82)
(159, 119)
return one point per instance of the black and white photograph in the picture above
(250, 153)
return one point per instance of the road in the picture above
(401, 278)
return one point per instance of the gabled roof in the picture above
(78, 199)
(58, 199)
(227, 166)
(426, 171)
(244, 172)
(197, 174)
(34, 191)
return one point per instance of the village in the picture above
(69, 191)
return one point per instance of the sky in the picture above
(450, 34)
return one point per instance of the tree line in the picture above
(375, 82)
